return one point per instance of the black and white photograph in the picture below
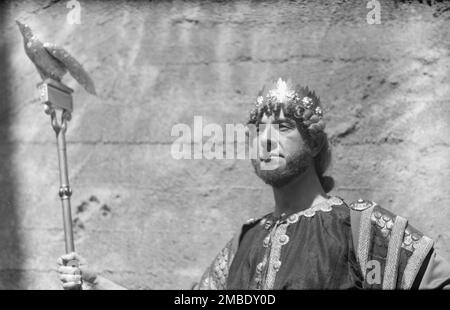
(224, 145)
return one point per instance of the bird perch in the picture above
(58, 100)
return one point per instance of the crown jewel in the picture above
(282, 92)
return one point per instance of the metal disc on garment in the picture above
(361, 205)
(309, 213)
(335, 201)
(407, 240)
(277, 265)
(284, 239)
(259, 267)
(222, 264)
(293, 218)
(326, 208)
(381, 223)
(389, 224)
(385, 232)
(266, 242)
(386, 218)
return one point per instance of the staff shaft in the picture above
(65, 191)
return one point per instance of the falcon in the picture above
(53, 61)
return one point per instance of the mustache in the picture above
(265, 156)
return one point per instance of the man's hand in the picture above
(74, 274)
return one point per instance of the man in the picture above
(310, 240)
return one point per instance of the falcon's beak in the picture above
(22, 27)
(25, 30)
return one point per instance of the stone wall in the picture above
(149, 221)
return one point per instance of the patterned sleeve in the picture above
(215, 276)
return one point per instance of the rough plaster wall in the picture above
(146, 220)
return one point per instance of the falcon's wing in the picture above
(72, 65)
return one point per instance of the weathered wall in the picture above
(146, 220)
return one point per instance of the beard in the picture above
(295, 165)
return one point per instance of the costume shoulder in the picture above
(216, 275)
(249, 224)
(389, 250)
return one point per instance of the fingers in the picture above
(71, 286)
(68, 278)
(70, 257)
(69, 270)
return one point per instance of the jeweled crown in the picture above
(299, 102)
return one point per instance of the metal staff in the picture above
(53, 62)
(57, 99)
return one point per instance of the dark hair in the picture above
(322, 162)
(323, 158)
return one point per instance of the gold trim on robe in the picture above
(389, 240)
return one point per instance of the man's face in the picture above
(283, 153)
